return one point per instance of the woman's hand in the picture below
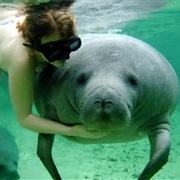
(82, 131)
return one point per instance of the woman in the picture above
(24, 43)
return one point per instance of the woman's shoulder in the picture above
(8, 29)
(8, 32)
(11, 48)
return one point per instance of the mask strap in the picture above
(30, 46)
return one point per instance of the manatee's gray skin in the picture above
(113, 83)
(8, 156)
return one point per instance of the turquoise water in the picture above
(155, 23)
(162, 30)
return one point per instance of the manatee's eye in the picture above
(82, 78)
(133, 81)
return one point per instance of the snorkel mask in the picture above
(57, 50)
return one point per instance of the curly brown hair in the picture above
(39, 24)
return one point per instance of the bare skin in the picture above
(21, 68)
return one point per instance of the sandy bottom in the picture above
(94, 162)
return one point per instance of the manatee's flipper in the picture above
(160, 143)
(44, 152)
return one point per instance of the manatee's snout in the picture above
(105, 108)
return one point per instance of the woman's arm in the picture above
(21, 83)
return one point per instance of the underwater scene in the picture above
(156, 22)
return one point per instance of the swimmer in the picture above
(29, 42)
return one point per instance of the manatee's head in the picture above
(99, 86)
(8, 156)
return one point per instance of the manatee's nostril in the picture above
(103, 104)
(109, 104)
(98, 104)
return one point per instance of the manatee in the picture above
(9, 156)
(113, 83)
